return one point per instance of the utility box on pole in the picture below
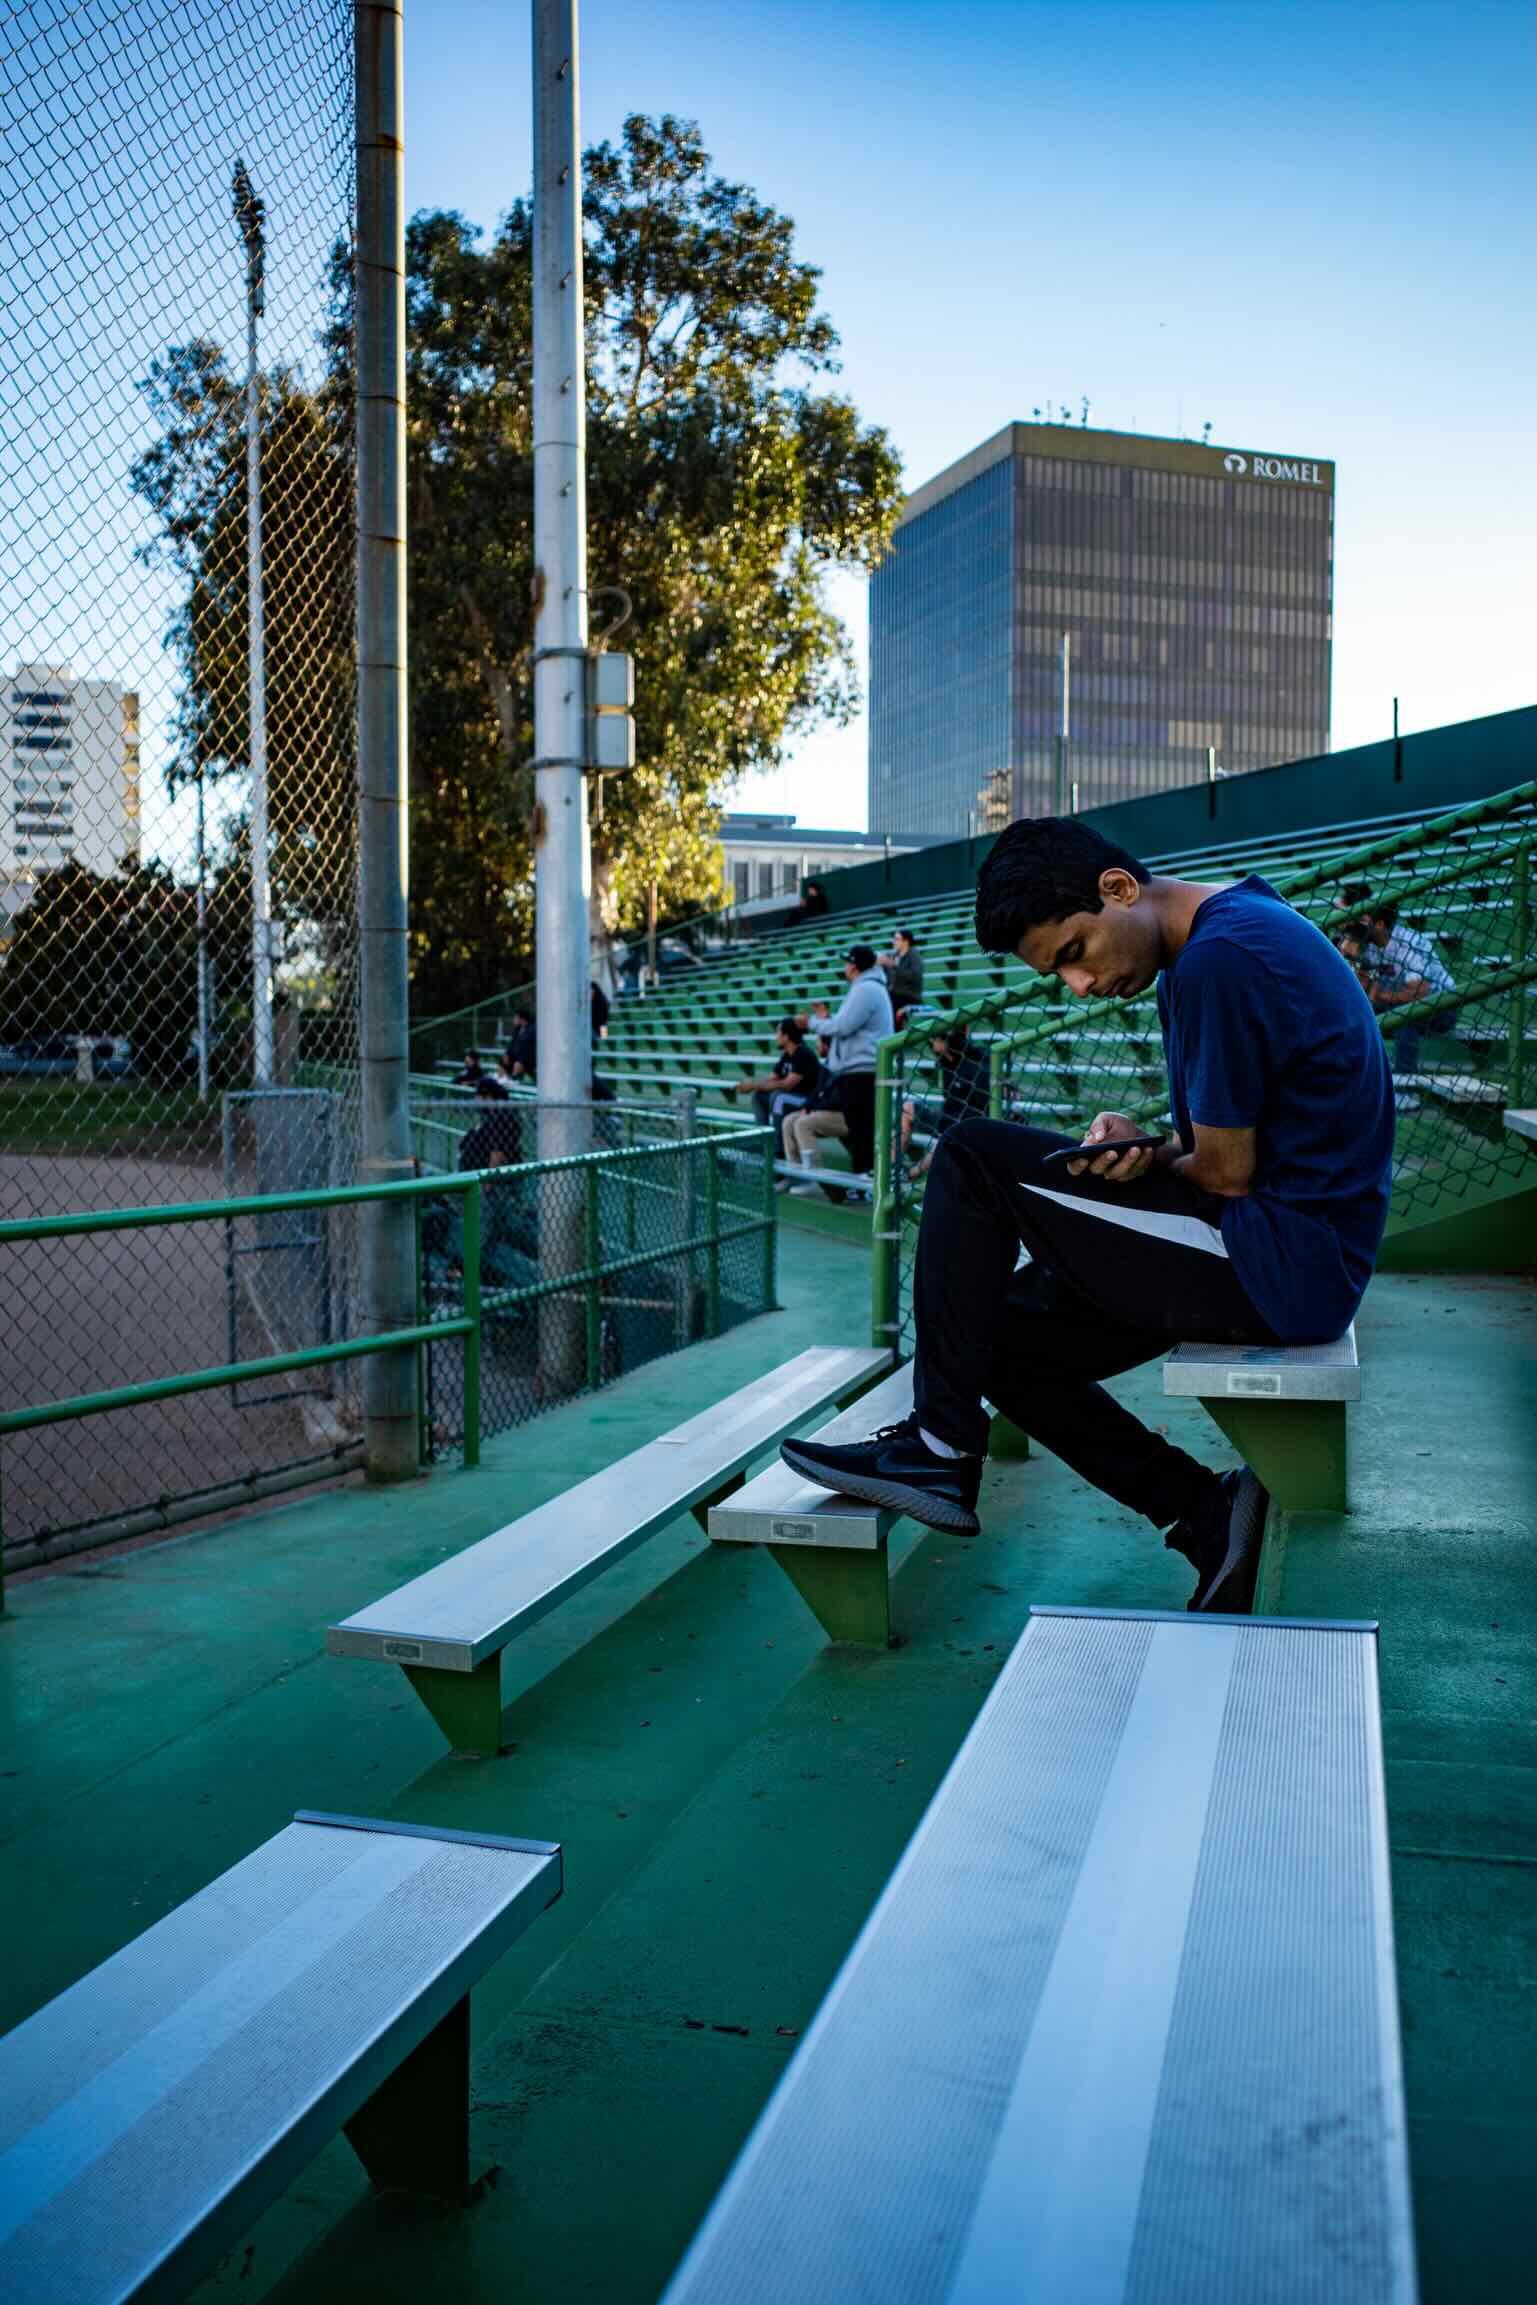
(612, 690)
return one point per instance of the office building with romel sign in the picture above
(1069, 617)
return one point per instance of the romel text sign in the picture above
(1274, 468)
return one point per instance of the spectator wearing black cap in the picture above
(853, 1032)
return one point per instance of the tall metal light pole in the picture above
(1065, 731)
(563, 864)
(388, 1227)
(563, 868)
(202, 942)
(250, 216)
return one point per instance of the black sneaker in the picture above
(897, 1469)
(1221, 1541)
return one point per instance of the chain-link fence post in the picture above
(471, 1236)
(886, 1228)
(1520, 940)
(712, 1251)
(389, 1279)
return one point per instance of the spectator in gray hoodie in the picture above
(853, 1033)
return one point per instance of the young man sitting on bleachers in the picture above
(791, 1085)
(1258, 1222)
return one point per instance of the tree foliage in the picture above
(193, 478)
(117, 954)
(725, 477)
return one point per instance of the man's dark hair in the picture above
(1044, 868)
(862, 955)
(907, 932)
(791, 1028)
(1384, 909)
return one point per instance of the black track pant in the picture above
(1118, 1274)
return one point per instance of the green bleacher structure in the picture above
(705, 1026)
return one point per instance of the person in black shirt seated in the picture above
(520, 1055)
(789, 1087)
(963, 1071)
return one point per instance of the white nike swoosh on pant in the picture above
(1183, 1232)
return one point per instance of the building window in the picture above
(741, 881)
(766, 879)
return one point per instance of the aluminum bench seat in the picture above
(151, 2112)
(1522, 1121)
(1123, 2026)
(447, 1628)
(832, 1548)
(1283, 1409)
(1454, 1088)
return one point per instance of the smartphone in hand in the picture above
(1109, 1144)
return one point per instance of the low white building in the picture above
(69, 777)
(766, 858)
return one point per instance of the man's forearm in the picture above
(1209, 1176)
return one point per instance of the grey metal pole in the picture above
(1064, 740)
(251, 218)
(563, 865)
(563, 869)
(202, 944)
(388, 1227)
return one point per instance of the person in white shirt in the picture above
(1401, 964)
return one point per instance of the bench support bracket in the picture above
(1296, 1447)
(701, 1511)
(466, 1706)
(846, 1589)
(413, 2134)
(1008, 1441)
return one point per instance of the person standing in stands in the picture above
(789, 1088)
(1258, 1222)
(904, 973)
(853, 1031)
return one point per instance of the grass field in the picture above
(64, 1116)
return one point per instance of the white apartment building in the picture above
(69, 776)
(765, 858)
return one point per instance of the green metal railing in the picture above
(700, 1239)
(466, 1323)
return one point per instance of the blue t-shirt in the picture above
(1265, 1026)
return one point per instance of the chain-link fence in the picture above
(1437, 923)
(177, 715)
(589, 1266)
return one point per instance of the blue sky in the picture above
(1309, 221)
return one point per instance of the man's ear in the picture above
(1118, 886)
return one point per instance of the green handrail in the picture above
(70, 1227)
